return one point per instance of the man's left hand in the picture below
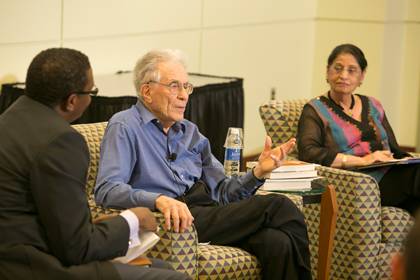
(174, 211)
(270, 159)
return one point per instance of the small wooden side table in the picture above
(326, 196)
(327, 224)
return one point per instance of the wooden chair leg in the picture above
(141, 261)
(327, 226)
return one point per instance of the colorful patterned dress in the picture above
(325, 130)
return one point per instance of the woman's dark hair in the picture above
(54, 73)
(349, 49)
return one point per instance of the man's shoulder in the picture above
(191, 128)
(34, 118)
(30, 128)
(127, 117)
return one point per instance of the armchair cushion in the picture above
(222, 262)
(395, 224)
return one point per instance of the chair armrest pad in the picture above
(358, 196)
(179, 249)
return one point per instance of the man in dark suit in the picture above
(46, 230)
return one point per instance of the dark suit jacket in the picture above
(45, 224)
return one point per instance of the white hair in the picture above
(146, 68)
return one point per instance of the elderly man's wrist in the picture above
(257, 173)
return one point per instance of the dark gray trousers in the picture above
(400, 187)
(269, 226)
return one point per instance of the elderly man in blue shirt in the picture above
(151, 156)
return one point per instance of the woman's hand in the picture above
(377, 156)
(270, 159)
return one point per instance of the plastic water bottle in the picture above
(233, 146)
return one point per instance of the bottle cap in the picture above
(272, 100)
(273, 94)
(234, 138)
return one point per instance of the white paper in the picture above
(137, 247)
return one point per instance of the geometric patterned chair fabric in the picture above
(366, 233)
(182, 250)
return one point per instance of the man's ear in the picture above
(69, 104)
(145, 92)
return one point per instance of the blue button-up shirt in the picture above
(136, 165)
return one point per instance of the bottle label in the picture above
(232, 154)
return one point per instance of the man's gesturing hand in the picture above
(176, 211)
(272, 158)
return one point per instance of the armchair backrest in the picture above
(281, 120)
(93, 133)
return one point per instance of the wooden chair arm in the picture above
(141, 261)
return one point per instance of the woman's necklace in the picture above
(350, 110)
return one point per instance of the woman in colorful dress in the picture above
(342, 129)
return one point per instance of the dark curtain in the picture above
(102, 108)
(9, 93)
(212, 107)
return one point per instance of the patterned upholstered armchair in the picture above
(366, 234)
(182, 250)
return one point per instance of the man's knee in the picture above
(277, 199)
(280, 203)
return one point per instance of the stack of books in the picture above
(292, 175)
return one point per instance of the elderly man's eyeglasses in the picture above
(93, 92)
(176, 86)
(338, 69)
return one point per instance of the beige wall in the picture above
(270, 43)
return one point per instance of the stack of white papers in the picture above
(291, 176)
(138, 247)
